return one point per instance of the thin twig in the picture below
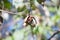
(54, 35)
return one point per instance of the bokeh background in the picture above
(15, 11)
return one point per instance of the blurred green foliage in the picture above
(40, 1)
(33, 7)
(6, 4)
(40, 29)
(21, 9)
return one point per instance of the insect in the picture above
(30, 20)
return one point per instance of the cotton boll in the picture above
(5, 16)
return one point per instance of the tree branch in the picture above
(54, 35)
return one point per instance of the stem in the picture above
(54, 35)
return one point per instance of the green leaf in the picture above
(21, 9)
(40, 1)
(7, 4)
